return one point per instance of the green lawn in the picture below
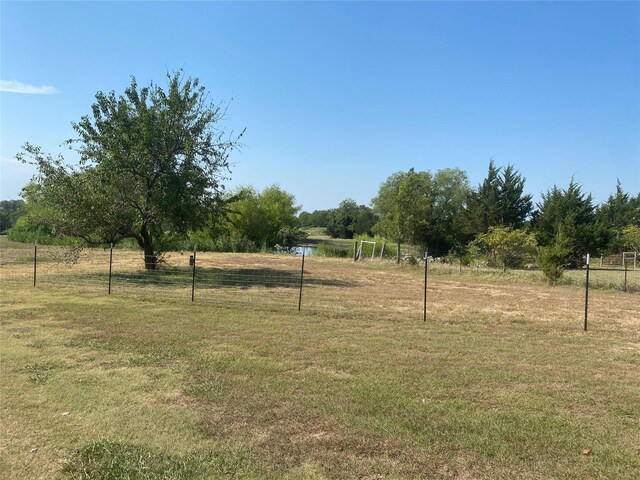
(499, 383)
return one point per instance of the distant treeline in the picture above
(437, 211)
(244, 221)
(442, 212)
(10, 210)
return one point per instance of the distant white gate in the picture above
(362, 242)
(629, 256)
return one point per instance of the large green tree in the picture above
(151, 165)
(267, 218)
(349, 220)
(424, 209)
(483, 209)
(499, 201)
(620, 211)
(570, 213)
(514, 205)
(402, 204)
(447, 200)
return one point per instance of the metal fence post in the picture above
(110, 264)
(35, 262)
(301, 282)
(586, 296)
(426, 261)
(193, 276)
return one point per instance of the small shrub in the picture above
(412, 260)
(553, 258)
(506, 247)
(39, 372)
(220, 243)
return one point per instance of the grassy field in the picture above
(500, 382)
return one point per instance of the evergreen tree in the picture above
(499, 201)
(618, 212)
(572, 214)
(515, 206)
(483, 205)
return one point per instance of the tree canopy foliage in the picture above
(423, 208)
(152, 162)
(571, 213)
(266, 218)
(402, 205)
(499, 201)
(349, 220)
(631, 238)
(618, 213)
(317, 218)
(448, 195)
(506, 247)
(10, 210)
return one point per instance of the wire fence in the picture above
(613, 278)
(259, 281)
(623, 277)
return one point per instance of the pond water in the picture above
(308, 250)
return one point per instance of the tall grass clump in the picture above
(336, 250)
(220, 243)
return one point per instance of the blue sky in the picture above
(337, 96)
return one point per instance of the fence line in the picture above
(273, 281)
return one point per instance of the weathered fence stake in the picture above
(301, 282)
(110, 264)
(193, 276)
(586, 296)
(426, 261)
(35, 262)
(625, 277)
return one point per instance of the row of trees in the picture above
(348, 220)
(246, 220)
(442, 212)
(153, 163)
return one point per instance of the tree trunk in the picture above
(398, 250)
(150, 258)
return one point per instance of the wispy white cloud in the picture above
(14, 86)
